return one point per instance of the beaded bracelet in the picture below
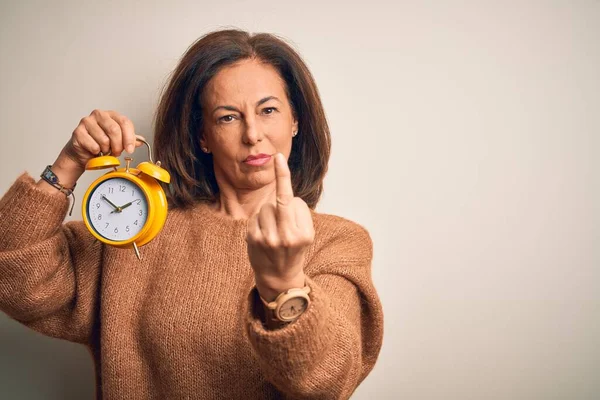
(52, 179)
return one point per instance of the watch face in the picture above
(292, 308)
(117, 209)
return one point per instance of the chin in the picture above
(260, 179)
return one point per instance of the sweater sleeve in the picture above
(330, 349)
(49, 271)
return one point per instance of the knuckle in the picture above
(308, 239)
(288, 239)
(305, 237)
(272, 241)
(123, 120)
(310, 235)
(114, 129)
(287, 242)
(79, 132)
(96, 113)
(283, 200)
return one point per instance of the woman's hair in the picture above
(179, 121)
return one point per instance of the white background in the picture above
(465, 138)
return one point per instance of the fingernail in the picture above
(130, 148)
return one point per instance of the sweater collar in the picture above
(209, 215)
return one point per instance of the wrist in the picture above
(67, 170)
(270, 287)
(61, 175)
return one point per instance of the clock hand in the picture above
(128, 204)
(117, 209)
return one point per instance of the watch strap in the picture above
(273, 304)
(270, 308)
(49, 176)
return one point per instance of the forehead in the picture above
(246, 80)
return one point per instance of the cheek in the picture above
(281, 132)
(224, 139)
(282, 140)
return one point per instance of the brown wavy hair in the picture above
(178, 121)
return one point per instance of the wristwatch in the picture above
(287, 307)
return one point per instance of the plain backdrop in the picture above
(465, 139)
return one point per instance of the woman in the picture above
(194, 318)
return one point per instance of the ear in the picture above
(295, 125)
(203, 142)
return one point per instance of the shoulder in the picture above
(329, 224)
(342, 236)
(181, 216)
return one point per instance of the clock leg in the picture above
(137, 251)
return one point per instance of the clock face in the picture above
(117, 209)
(292, 308)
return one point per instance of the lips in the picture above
(257, 160)
(257, 157)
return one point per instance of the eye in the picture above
(269, 110)
(227, 118)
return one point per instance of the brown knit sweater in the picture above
(183, 322)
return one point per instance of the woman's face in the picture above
(246, 113)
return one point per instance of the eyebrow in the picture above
(258, 103)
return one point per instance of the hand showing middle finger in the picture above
(279, 235)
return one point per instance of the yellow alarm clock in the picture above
(126, 207)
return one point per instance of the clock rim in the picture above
(141, 184)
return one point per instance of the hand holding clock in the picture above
(101, 131)
(110, 132)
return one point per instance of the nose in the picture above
(252, 132)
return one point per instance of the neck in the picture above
(242, 204)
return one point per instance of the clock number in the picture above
(135, 223)
(132, 192)
(140, 212)
(106, 225)
(127, 228)
(138, 201)
(110, 190)
(99, 217)
(97, 205)
(122, 188)
(116, 230)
